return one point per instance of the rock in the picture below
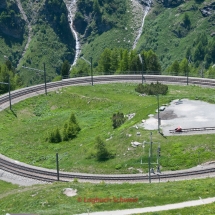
(212, 34)
(135, 143)
(70, 192)
(208, 10)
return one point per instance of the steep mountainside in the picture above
(12, 31)
(107, 24)
(176, 30)
(52, 41)
(47, 39)
(34, 32)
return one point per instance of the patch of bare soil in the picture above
(166, 115)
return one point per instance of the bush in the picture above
(55, 136)
(70, 131)
(101, 150)
(71, 128)
(117, 119)
(152, 89)
(118, 166)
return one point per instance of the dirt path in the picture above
(19, 190)
(198, 202)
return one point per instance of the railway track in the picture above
(47, 175)
(51, 175)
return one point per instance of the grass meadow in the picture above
(49, 199)
(24, 137)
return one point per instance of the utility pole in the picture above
(44, 71)
(149, 166)
(57, 164)
(158, 113)
(8, 91)
(45, 77)
(188, 71)
(6, 58)
(141, 60)
(91, 67)
(150, 158)
(150, 155)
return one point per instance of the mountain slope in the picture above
(173, 29)
(166, 33)
(39, 33)
(12, 31)
(114, 24)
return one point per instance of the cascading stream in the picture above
(145, 11)
(71, 7)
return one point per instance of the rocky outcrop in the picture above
(208, 10)
(213, 34)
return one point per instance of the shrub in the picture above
(70, 131)
(152, 89)
(71, 128)
(101, 150)
(75, 180)
(118, 166)
(55, 136)
(117, 119)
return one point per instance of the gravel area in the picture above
(16, 179)
(185, 113)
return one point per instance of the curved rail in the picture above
(51, 175)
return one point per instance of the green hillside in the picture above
(12, 32)
(51, 39)
(173, 30)
(168, 34)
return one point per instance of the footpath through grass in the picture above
(24, 137)
(49, 199)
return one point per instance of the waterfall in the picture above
(145, 12)
(71, 7)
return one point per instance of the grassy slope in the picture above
(93, 107)
(116, 37)
(6, 187)
(47, 44)
(160, 24)
(11, 46)
(44, 48)
(49, 199)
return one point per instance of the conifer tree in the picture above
(101, 150)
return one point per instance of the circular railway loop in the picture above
(47, 175)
